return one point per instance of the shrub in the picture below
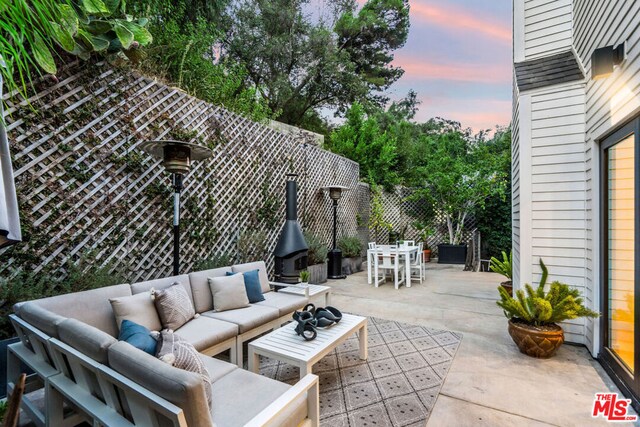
(350, 246)
(539, 308)
(26, 285)
(317, 249)
(214, 261)
(504, 267)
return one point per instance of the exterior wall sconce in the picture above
(334, 266)
(176, 158)
(604, 59)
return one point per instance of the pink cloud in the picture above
(477, 113)
(422, 68)
(455, 18)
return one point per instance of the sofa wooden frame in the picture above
(33, 351)
(105, 395)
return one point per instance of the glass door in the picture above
(621, 346)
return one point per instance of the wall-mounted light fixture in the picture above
(604, 59)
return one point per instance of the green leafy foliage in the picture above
(537, 307)
(215, 261)
(318, 250)
(504, 266)
(361, 139)
(183, 54)
(377, 224)
(351, 246)
(26, 284)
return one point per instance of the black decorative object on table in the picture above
(311, 318)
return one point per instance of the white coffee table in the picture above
(310, 291)
(285, 345)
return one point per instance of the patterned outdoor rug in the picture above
(397, 385)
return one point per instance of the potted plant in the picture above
(304, 277)
(351, 248)
(534, 316)
(316, 259)
(505, 268)
(424, 233)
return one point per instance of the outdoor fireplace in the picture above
(291, 250)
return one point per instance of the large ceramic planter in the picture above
(317, 273)
(351, 265)
(452, 254)
(536, 341)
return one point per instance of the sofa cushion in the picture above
(285, 303)
(138, 308)
(173, 305)
(246, 318)
(228, 292)
(138, 336)
(86, 339)
(91, 307)
(241, 395)
(163, 283)
(257, 265)
(43, 319)
(199, 280)
(251, 285)
(205, 332)
(177, 351)
(182, 388)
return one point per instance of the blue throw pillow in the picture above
(138, 336)
(251, 285)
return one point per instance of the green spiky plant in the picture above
(304, 276)
(503, 267)
(540, 308)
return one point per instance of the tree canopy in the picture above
(299, 66)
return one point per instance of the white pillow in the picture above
(138, 308)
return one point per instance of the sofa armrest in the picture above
(310, 385)
(304, 288)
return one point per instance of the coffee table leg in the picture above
(305, 368)
(327, 298)
(363, 335)
(254, 361)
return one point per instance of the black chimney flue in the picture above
(291, 250)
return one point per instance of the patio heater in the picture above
(176, 158)
(335, 255)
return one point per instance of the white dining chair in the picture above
(389, 261)
(417, 263)
(371, 254)
(407, 243)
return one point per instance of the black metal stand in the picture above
(177, 188)
(334, 267)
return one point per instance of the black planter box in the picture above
(452, 254)
(3, 365)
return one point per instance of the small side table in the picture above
(313, 291)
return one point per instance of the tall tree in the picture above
(300, 66)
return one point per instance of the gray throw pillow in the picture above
(173, 305)
(228, 292)
(138, 308)
(179, 353)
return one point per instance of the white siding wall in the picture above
(609, 102)
(558, 199)
(515, 185)
(548, 27)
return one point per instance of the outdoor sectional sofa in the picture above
(70, 341)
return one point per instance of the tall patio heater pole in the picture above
(334, 267)
(177, 189)
(176, 158)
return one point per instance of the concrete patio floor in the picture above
(490, 382)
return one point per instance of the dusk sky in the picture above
(458, 60)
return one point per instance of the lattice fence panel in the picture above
(85, 185)
(403, 213)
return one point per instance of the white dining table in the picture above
(405, 251)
